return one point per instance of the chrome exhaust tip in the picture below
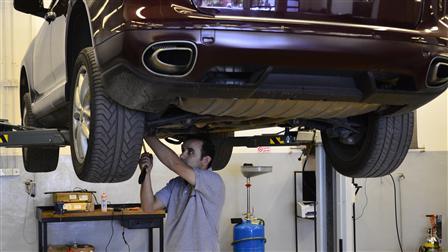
(438, 73)
(170, 58)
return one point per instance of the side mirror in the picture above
(33, 7)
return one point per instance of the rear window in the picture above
(400, 13)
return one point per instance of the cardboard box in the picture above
(82, 248)
(71, 248)
(79, 207)
(57, 248)
(72, 197)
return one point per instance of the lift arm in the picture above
(289, 138)
(13, 136)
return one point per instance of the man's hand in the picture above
(147, 198)
(145, 163)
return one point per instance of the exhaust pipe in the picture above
(170, 58)
(438, 73)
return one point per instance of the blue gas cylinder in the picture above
(248, 237)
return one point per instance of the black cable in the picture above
(80, 189)
(122, 233)
(354, 225)
(367, 200)
(304, 164)
(112, 234)
(96, 200)
(396, 217)
(308, 153)
(25, 221)
(283, 131)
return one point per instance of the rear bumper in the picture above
(277, 66)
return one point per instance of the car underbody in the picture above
(176, 68)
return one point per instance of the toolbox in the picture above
(73, 201)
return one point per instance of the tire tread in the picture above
(116, 134)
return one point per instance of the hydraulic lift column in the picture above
(325, 207)
(334, 196)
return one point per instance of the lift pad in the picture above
(293, 138)
(13, 136)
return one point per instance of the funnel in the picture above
(249, 170)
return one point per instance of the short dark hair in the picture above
(208, 148)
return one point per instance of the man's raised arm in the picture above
(169, 158)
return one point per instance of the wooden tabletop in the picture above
(47, 214)
(98, 212)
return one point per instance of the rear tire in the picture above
(36, 159)
(382, 149)
(223, 150)
(106, 138)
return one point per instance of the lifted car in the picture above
(109, 70)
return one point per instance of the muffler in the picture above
(438, 73)
(170, 58)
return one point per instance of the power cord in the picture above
(367, 200)
(122, 233)
(112, 234)
(96, 200)
(309, 149)
(25, 221)
(85, 190)
(26, 213)
(396, 217)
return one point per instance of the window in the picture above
(262, 5)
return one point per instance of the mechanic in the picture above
(193, 200)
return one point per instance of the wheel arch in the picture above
(78, 36)
(24, 86)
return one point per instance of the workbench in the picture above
(129, 215)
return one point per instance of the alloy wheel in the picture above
(81, 114)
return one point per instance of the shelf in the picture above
(302, 218)
(310, 218)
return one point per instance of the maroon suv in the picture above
(109, 70)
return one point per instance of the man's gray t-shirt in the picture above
(193, 213)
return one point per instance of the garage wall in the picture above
(16, 32)
(432, 125)
(272, 198)
(422, 192)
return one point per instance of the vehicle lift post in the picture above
(334, 196)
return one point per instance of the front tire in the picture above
(106, 138)
(381, 150)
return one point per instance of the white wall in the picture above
(423, 191)
(272, 198)
(16, 32)
(432, 124)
